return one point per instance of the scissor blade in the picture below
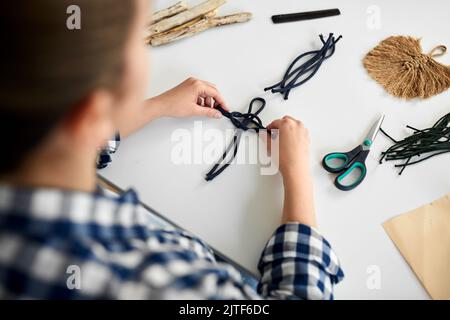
(373, 133)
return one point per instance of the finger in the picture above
(210, 84)
(208, 91)
(290, 118)
(212, 102)
(206, 112)
(216, 104)
(200, 101)
(274, 124)
(209, 102)
(192, 79)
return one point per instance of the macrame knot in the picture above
(415, 62)
(246, 121)
(242, 122)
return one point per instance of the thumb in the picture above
(207, 112)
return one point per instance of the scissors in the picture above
(345, 163)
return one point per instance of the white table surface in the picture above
(237, 212)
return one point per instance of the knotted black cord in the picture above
(242, 122)
(307, 69)
(428, 142)
(251, 121)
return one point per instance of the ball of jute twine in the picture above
(400, 66)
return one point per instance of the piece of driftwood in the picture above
(169, 12)
(187, 24)
(185, 16)
(191, 28)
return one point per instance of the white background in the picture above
(237, 212)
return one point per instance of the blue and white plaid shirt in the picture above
(73, 245)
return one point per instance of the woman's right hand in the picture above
(294, 167)
(293, 145)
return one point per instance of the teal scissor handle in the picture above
(345, 157)
(347, 163)
(357, 165)
(343, 161)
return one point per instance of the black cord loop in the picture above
(294, 78)
(243, 122)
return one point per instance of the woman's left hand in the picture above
(192, 97)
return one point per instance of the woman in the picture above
(63, 94)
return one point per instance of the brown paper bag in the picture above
(423, 238)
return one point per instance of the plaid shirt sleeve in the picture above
(104, 155)
(298, 263)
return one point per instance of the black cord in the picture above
(307, 70)
(426, 143)
(292, 78)
(390, 138)
(242, 122)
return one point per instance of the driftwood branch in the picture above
(189, 23)
(198, 25)
(185, 16)
(169, 12)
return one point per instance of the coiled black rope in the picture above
(428, 142)
(242, 122)
(294, 78)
